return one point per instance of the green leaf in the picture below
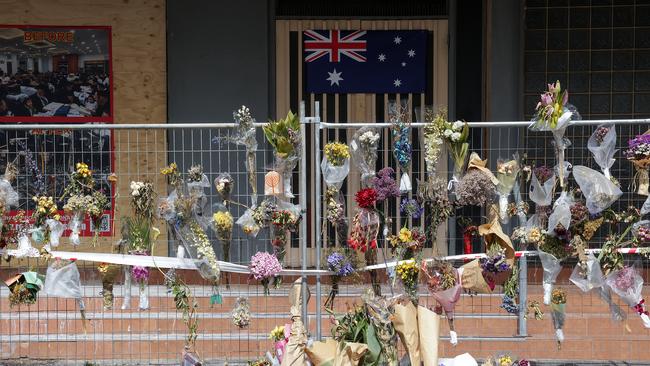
(374, 348)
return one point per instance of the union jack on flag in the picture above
(365, 61)
(335, 45)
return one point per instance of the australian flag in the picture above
(339, 61)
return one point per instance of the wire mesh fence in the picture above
(53, 328)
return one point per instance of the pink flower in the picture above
(264, 266)
(546, 99)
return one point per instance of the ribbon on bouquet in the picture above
(640, 307)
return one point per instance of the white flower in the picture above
(455, 136)
(369, 138)
(458, 125)
(447, 133)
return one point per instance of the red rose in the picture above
(366, 198)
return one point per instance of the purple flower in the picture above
(385, 185)
(411, 207)
(264, 266)
(339, 264)
(625, 278)
(509, 305)
(546, 99)
(140, 274)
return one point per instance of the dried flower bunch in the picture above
(475, 189)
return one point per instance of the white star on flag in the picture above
(403, 64)
(397, 40)
(411, 53)
(382, 57)
(334, 77)
(397, 82)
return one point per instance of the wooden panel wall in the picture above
(139, 81)
(358, 107)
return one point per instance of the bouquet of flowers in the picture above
(408, 243)
(602, 145)
(196, 183)
(432, 138)
(411, 208)
(553, 248)
(8, 196)
(222, 224)
(402, 147)
(354, 327)
(456, 136)
(284, 136)
(380, 315)
(224, 185)
(241, 314)
(408, 272)
(364, 152)
(444, 285)
(47, 225)
(62, 279)
(599, 190)
(554, 114)
(248, 224)
(24, 288)
(341, 263)
(335, 212)
(558, 305)
(246, 137)
(495, 261)
(628, 284)
(336, 163)
(384, 185)
(507, 172)
(510, 292)
(15, 234)
(434, 196)
(478, 185)
(365, 229)
(541, 190)
(83, 199)
(638, 153)
(280, 337)
(108, 272)
(264, 267)
(180, 210)
(283, 221)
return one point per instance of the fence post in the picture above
(317, 216)
(303, 205)
(522, 327)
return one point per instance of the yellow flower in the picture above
(277, 334)
(405, 235)
(336, 153)
(57, 217)
(223, 220)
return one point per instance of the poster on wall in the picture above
(62, 75)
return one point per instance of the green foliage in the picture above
(281, 134)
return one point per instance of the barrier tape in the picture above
(191, 264)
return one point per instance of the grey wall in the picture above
(217, 59)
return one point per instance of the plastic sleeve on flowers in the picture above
(600, 192)
(126, 303)
(548, 288)
(453, 338)
(559, 334)
(144, 298)
(405, 183)
(646, 320)
(503, 208)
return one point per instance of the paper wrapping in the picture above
(492, 232)
(429, 328)
(294, 352)
(405, 322)
(472, 278)
(329, 353)
(475, 162)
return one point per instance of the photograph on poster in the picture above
(60, 74)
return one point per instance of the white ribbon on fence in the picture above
(187, 263)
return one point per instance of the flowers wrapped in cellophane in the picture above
(283, 221)
(365, 229)
(507, 173)
(602, 145)
(402, 147)
(432, 138)
(638, 153)
(380, 314)
(246, 136)
(363, 149)
(554, 114)
(222, 224)
(15, 234)
(196, 182)
(599, 191)
(552, 248)
(264, 267)
(628, 284)
(83, 199)
(224, 185)
(558, 313)
(241, 314)
(541, 191)
(179, 209)
(284, 136)
(47, 227)
(444, 285)
(63, 280)
(335, 168)
(456, 136)
(248, 224)
(8, 196)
